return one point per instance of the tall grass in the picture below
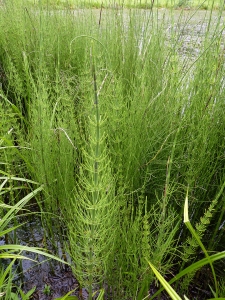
(116, 122)
(204, 4)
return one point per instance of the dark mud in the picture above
(50, 278)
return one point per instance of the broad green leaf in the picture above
(9, 255)
(3, 183)
(28, 294)
(101, 295)
(33, 250)
(5, 220)
(67, 296)
(14, 296)
(6, 272)
(23, 296)
(166, 285)
(18, 179)
(10, 229)
(11, 206)
(193, 267)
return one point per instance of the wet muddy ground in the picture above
(51, 278)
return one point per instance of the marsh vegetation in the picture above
(109, 118)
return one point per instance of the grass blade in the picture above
(165, 284)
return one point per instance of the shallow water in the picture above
(185, 29)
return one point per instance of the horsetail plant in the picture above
(192, 243)
(93, 211)
(198, 239)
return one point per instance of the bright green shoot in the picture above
(195, 235)
(168, 287)
(165, 284)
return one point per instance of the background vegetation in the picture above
(204, 4)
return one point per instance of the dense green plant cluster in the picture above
(146, 4)
(116, 123)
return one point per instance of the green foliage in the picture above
(192, 267)
(67, 298)
(9, 136)
(47, 290)
(23, 296)
(167, 285)
(182, 3)
(146, 4)
(13, 252)
(115, 121)
(191, 246)
(91, 236)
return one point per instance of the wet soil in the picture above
(51, 278)
(50, 285)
